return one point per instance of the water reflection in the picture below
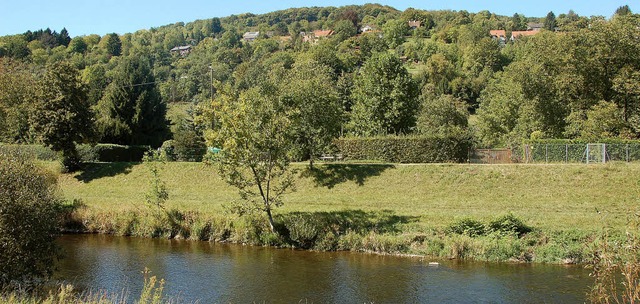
(216, 273)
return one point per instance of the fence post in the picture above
(546, 153)
(566, 153)
(604, 153)
(627, 152)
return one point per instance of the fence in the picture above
(581, 153)
(490, 156)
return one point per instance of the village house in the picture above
(517, 34)
(250, 36)
(316, 35)
(366, 29)
(182, 50)
(414, 24)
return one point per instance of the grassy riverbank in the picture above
(376, 207)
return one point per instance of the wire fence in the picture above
(580, 153)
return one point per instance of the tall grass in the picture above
(376, 207)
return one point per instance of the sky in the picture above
(83, 17)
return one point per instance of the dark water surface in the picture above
(221, 273)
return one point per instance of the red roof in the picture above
(326, 33)
(498, 33)
(516, 34)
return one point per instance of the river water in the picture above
(206, 272)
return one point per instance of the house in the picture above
(250, 36)
(414, 24)
(316, 35)
(182, 50)
(366, 29)
(533, 26)
(517, 34)
(500, 35)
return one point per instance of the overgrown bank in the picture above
(446, 211)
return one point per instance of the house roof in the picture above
(498, 33)
(251, 35)
(534, 26)
(516, 34)
(326, 33)
(181, 48)
(415, 23)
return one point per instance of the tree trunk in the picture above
(270, 217)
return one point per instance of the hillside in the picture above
(548, 197)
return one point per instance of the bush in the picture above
(112, 153)
(467, 226)
(38, 152)
(28, 220)
(406, 149)
(508, 224)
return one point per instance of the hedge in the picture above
(406, 149)
(88, 153)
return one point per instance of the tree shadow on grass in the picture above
(93, 171)
(330, 175)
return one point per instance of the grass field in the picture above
(549, 197)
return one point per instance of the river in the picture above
(225, 273)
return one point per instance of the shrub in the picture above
(508, 224)
(467, 226)
(406, 149)
(112, 153)
(28, 220)
(38, 152)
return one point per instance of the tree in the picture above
(385, 97)
(394, 32)
(442, 116)
(623, 11)
(16, 90)
(28, 220)
(62, 117)
(131, 112)
(77, 45)
(112, 44)
(550, 21)
(254, 132)
(316, 110)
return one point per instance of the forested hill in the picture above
(499, 79)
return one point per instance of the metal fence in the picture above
(580, 153)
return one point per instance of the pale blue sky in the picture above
(82, 17)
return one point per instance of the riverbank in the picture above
(399, 209)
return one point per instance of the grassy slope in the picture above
(549, 197)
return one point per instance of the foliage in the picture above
(16, 93)
(112, 153)
(508, 224)
(615, 267)
(29, 207)
(467, 226)
(157, 194)
(442, 116)
(62, 116)
(131, 112)
(316, 113)
(407, 149)
(385, 97)
(254, 132)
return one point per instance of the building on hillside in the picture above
(316, 35)
(250, 36)
(366, 29)
(534, 26)
(518, 34)
(500, 35)
(182, 50)
(414, 24)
